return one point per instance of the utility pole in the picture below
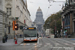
(55, 26)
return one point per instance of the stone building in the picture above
(68, 17)
(39, 21)
(16, 8)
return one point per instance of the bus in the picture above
(30, 34)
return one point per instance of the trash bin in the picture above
(3, 40)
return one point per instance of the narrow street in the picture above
(42, 44)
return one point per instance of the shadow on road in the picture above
(29, 42)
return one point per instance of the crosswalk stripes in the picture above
(31, 44)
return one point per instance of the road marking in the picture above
(24, 44)
(27, 44)
(40, 37)
(73, 43)
(66, 43)
(21, 44)
(56, 44)
(38, 41)
(45, 45)
(48, 43)
(35, 44)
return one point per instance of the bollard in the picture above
(15, 41)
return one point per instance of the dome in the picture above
(39, 9)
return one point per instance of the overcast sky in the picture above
(47, 8)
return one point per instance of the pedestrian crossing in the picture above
(27, 44)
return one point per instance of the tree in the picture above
(51, 20)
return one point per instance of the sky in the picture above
(47, 8)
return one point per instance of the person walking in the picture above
(6, 37)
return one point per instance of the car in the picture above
(48, 37)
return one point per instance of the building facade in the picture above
(68, 17)
(16, 8)
(3, 21)
(39, 21)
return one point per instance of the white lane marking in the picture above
(40, 37)
(24, 44)
(66, 43)
(56, 44)
(27, 44)
(21, 44)
(35, 44)
(45, 45)
(38, 41)
(39, 44)
(73, 43)
(48, 43)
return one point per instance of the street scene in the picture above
(42, 44)
(37, 24)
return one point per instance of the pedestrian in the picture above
(20, 35)
(6, 37)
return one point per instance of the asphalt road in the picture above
(44, 44)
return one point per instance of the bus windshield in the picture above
(30, 33)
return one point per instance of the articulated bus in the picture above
(30, 34)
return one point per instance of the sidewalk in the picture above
(11, 42)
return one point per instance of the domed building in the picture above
(39, 21)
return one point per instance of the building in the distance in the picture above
(39, 21)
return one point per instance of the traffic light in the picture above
(16, 26)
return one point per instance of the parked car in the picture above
(48, 37)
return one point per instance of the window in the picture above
(9, 11)
(74, 14)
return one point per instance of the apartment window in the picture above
(9, 11)
(74, 14)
